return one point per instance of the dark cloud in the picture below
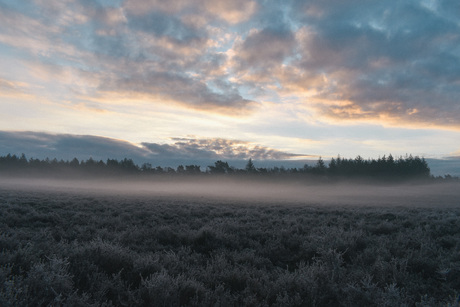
(218, 148)
(181, 151)
(399, 59)
(66, 146)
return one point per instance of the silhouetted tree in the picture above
(262, 170)
(320, 167)
(74, 163)
(220, 167)
(146, 167)
(192, 169)
(250, 168)
(128, 165)
(386, 167)
(332, 167)
(180, 169)
(170, 170)
(22, 161)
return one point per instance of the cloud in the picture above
(232, 12)
(173, 87)
(171, 27)
(218, 148)
(181, 150)
(111, 50)
(140, 7)
(396, 62)
(66, 146)
(393, 62)
(263, 49)
(13, 89)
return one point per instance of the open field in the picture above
(236, 244)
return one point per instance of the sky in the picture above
(268, 80)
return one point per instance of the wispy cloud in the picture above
(13, 89)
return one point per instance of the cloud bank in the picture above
(393, 62)
(180, 150)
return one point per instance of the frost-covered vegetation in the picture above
(93, 250)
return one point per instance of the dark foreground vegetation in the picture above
(384, 168)
(64, 249)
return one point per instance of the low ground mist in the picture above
(227, 243)
(254, 190)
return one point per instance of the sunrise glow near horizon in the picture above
(239, 79)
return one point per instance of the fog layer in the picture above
(254, 191)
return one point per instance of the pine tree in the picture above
(250, 168)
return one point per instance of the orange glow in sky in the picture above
(272, 80)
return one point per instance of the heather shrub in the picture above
(61, 249)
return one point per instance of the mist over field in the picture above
(114, 234)
(254, 190)
(228, 241)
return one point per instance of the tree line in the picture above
(386, 167)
